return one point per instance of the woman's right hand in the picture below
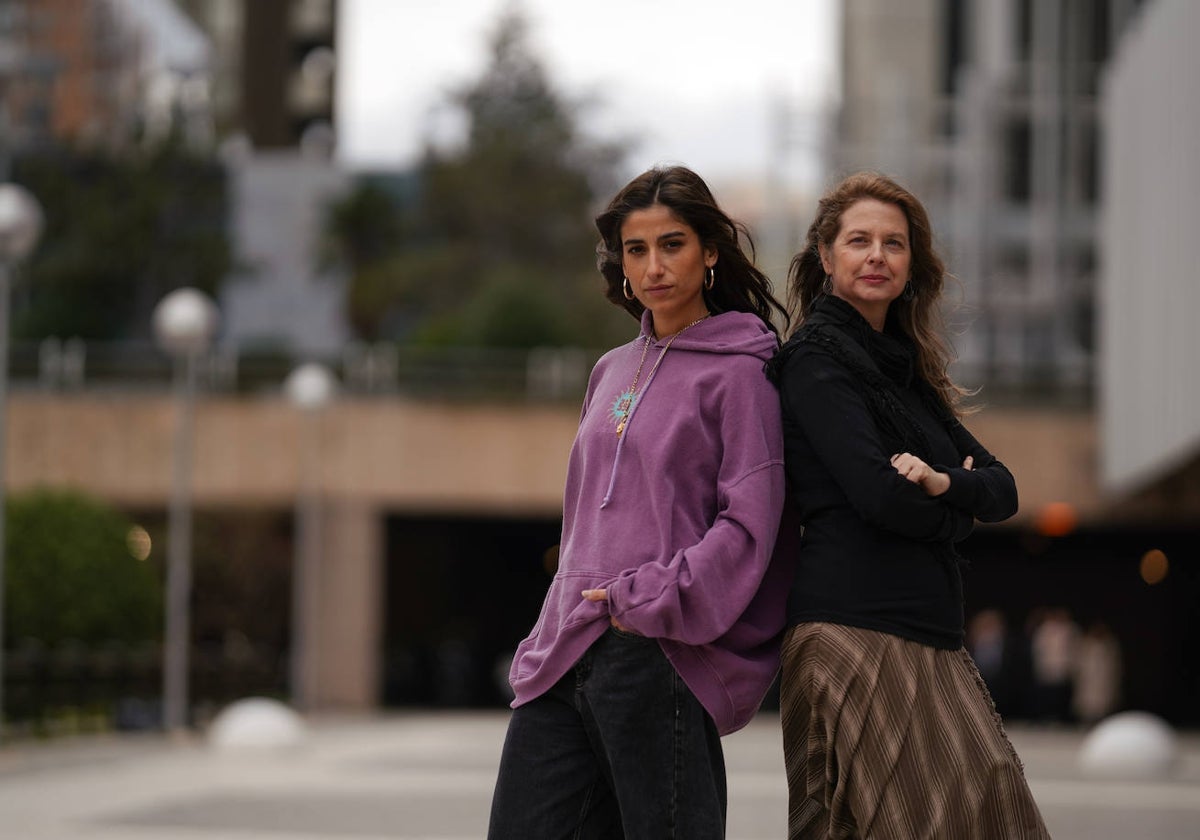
(934, 483)
(602, 595)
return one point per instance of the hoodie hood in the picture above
(725, 333)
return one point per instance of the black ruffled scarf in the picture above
(882, 363)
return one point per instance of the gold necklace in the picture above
(623, 406)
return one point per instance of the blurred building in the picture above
(253, 80)
(1148, 296)
(273, 103)
(101, 73)
(273, 82)
(67, 71)
(280, 300)
(988, 110)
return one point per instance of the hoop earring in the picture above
(710, 279)
(909, 292)
(827, 286)
(627, 290)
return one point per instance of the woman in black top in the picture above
(888, 729)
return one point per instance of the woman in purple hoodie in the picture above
(660, 631)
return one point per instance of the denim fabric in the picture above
(618, 748)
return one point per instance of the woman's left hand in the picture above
(602, 595)
(934, 483)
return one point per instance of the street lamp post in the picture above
(20, 227)
(310, 387)
(184, 323)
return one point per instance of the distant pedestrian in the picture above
(660, 631)
(888, 729)
(1098, 673)
(988, 643)
(1054, 646)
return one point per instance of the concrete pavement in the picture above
(429, 776)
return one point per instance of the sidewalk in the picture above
(429, 776)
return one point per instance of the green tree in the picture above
(496, 247)
(121, 231)
(362, 230)
(71, 573)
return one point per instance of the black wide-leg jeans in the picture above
(618, 748)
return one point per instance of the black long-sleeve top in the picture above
(877, 552)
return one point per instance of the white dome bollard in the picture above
(1130, 745)
(256, 723)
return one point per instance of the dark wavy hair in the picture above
(739, 285)
(920, 318)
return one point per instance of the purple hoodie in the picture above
(677, 518)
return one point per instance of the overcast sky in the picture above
(692, 82)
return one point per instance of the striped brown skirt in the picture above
(889, 739)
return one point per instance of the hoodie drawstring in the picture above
(612, 481)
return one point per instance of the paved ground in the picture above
(429, 777)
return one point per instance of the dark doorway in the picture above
(461, 593)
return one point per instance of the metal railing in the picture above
(74, 688)
(544, 374)
(539, 375)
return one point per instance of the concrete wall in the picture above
(414, 456)
(389, 453)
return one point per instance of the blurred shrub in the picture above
(71, 573)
